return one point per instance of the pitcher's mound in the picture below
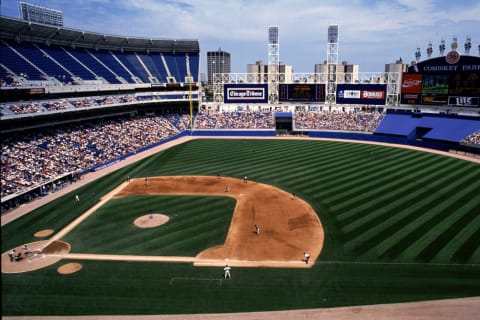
(151, 220)
(69, 268)
(43, 233)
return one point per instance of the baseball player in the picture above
(77, 198)
(226, 271)
(307, 257)
(245, 179)
(257, 229)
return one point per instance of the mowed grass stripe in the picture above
(374, 235)
(358, 216)
(409, 233)
(349, 184)
(368, 196)
(445, 231)
(463, 234)
(334, 174)
(469, 252)
(444, 211)
(375, 220)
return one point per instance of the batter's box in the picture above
(200, 281)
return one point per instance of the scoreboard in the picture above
(443, 81)
(305, 92)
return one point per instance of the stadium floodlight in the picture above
(333, 34)
(34, 13)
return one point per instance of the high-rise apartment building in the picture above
(217, 62)
(39, 14)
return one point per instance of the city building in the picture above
(346, 73)
(285, 72)
(39, 14)
(398, 66)
(217, 62)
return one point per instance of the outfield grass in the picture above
(400, 225)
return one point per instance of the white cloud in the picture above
(372, 32)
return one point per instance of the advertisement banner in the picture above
(462, 101)
(435, 83)
(410, 98)
(245, 93)
(437, 100)
(411, 83)
(372, 94)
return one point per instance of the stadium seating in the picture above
(39, 61)
(100, 70)
(108, 59)
(19, 65)
(428, 126)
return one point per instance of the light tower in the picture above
(332, 62)
(273, 64)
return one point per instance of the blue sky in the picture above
(372, 32)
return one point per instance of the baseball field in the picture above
(382, 224)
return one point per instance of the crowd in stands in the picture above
(338, 120)
(474, 138)
(36, 158)
(24, 108)
(54, 105)
(181, 122)
(83, 102)
(235, 120)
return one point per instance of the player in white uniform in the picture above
(226, 271)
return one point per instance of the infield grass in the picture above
(400, 225)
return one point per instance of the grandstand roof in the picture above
(20, 30)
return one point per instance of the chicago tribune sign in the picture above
(252, 93)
